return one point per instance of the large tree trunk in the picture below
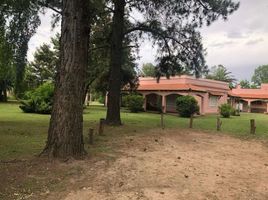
(20, 70)
(3, 92)
(65, 134)
(113, 111)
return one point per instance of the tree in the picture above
(100, 55)
(245, 84)
(20, 20)
(173, 27)
(260, 75)
(43, 68)
(148, 69)
(65, 134)
(7, 74)
(221, 73)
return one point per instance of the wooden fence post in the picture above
(219, 123)
(101, 126)
(252, 126)
(90, 135)
(162, 117)
(191, 121)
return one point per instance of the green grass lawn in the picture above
(23, 135)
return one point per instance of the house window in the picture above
(213, 101)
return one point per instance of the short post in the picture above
(219, 123)
(191, 121)
(101, 126)
(252, 126)
(90, 136)
(162, 118)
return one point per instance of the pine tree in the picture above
(173, 26)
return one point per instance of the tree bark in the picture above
(5, 95)
(113, 106)
(3, 92)
(65, 134)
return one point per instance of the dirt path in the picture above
(188, 166)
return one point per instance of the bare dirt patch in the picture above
(165, 165)
(181, 166)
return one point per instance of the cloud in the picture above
(221, 44)
(240, 43)
(228, 42)
(254, 41)
(236, 34)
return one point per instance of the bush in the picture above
(233, 111)
(187, 106)
(133, 102)
(226, 110)
(38, 100)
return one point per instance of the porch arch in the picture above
(153, 102)
(171, 102)
(258, 106)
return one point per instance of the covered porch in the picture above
(166, 101)
(250, 105)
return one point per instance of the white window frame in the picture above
(213, 103)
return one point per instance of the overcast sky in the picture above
(240, 44)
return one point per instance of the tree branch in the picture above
(203, 5)
(156, 32)
(50, 7)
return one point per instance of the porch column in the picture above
(202, 106)
(86, 100)
(164, 103)
(90, 97)
(249, 106)
(206, 103)
(106, 99)
(144, 101)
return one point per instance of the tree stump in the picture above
(219, 123)
(252, 126)
(101, 124)
(90, 136)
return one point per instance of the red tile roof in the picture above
(260, 93)
(249, 95)
(169, 87)
(183, 83)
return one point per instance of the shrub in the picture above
(124, 100)
(38, 100)
(187, 106)
(133, 102)
(226, 110)
(233, 111)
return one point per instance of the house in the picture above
(250, 100)
(210, 94)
